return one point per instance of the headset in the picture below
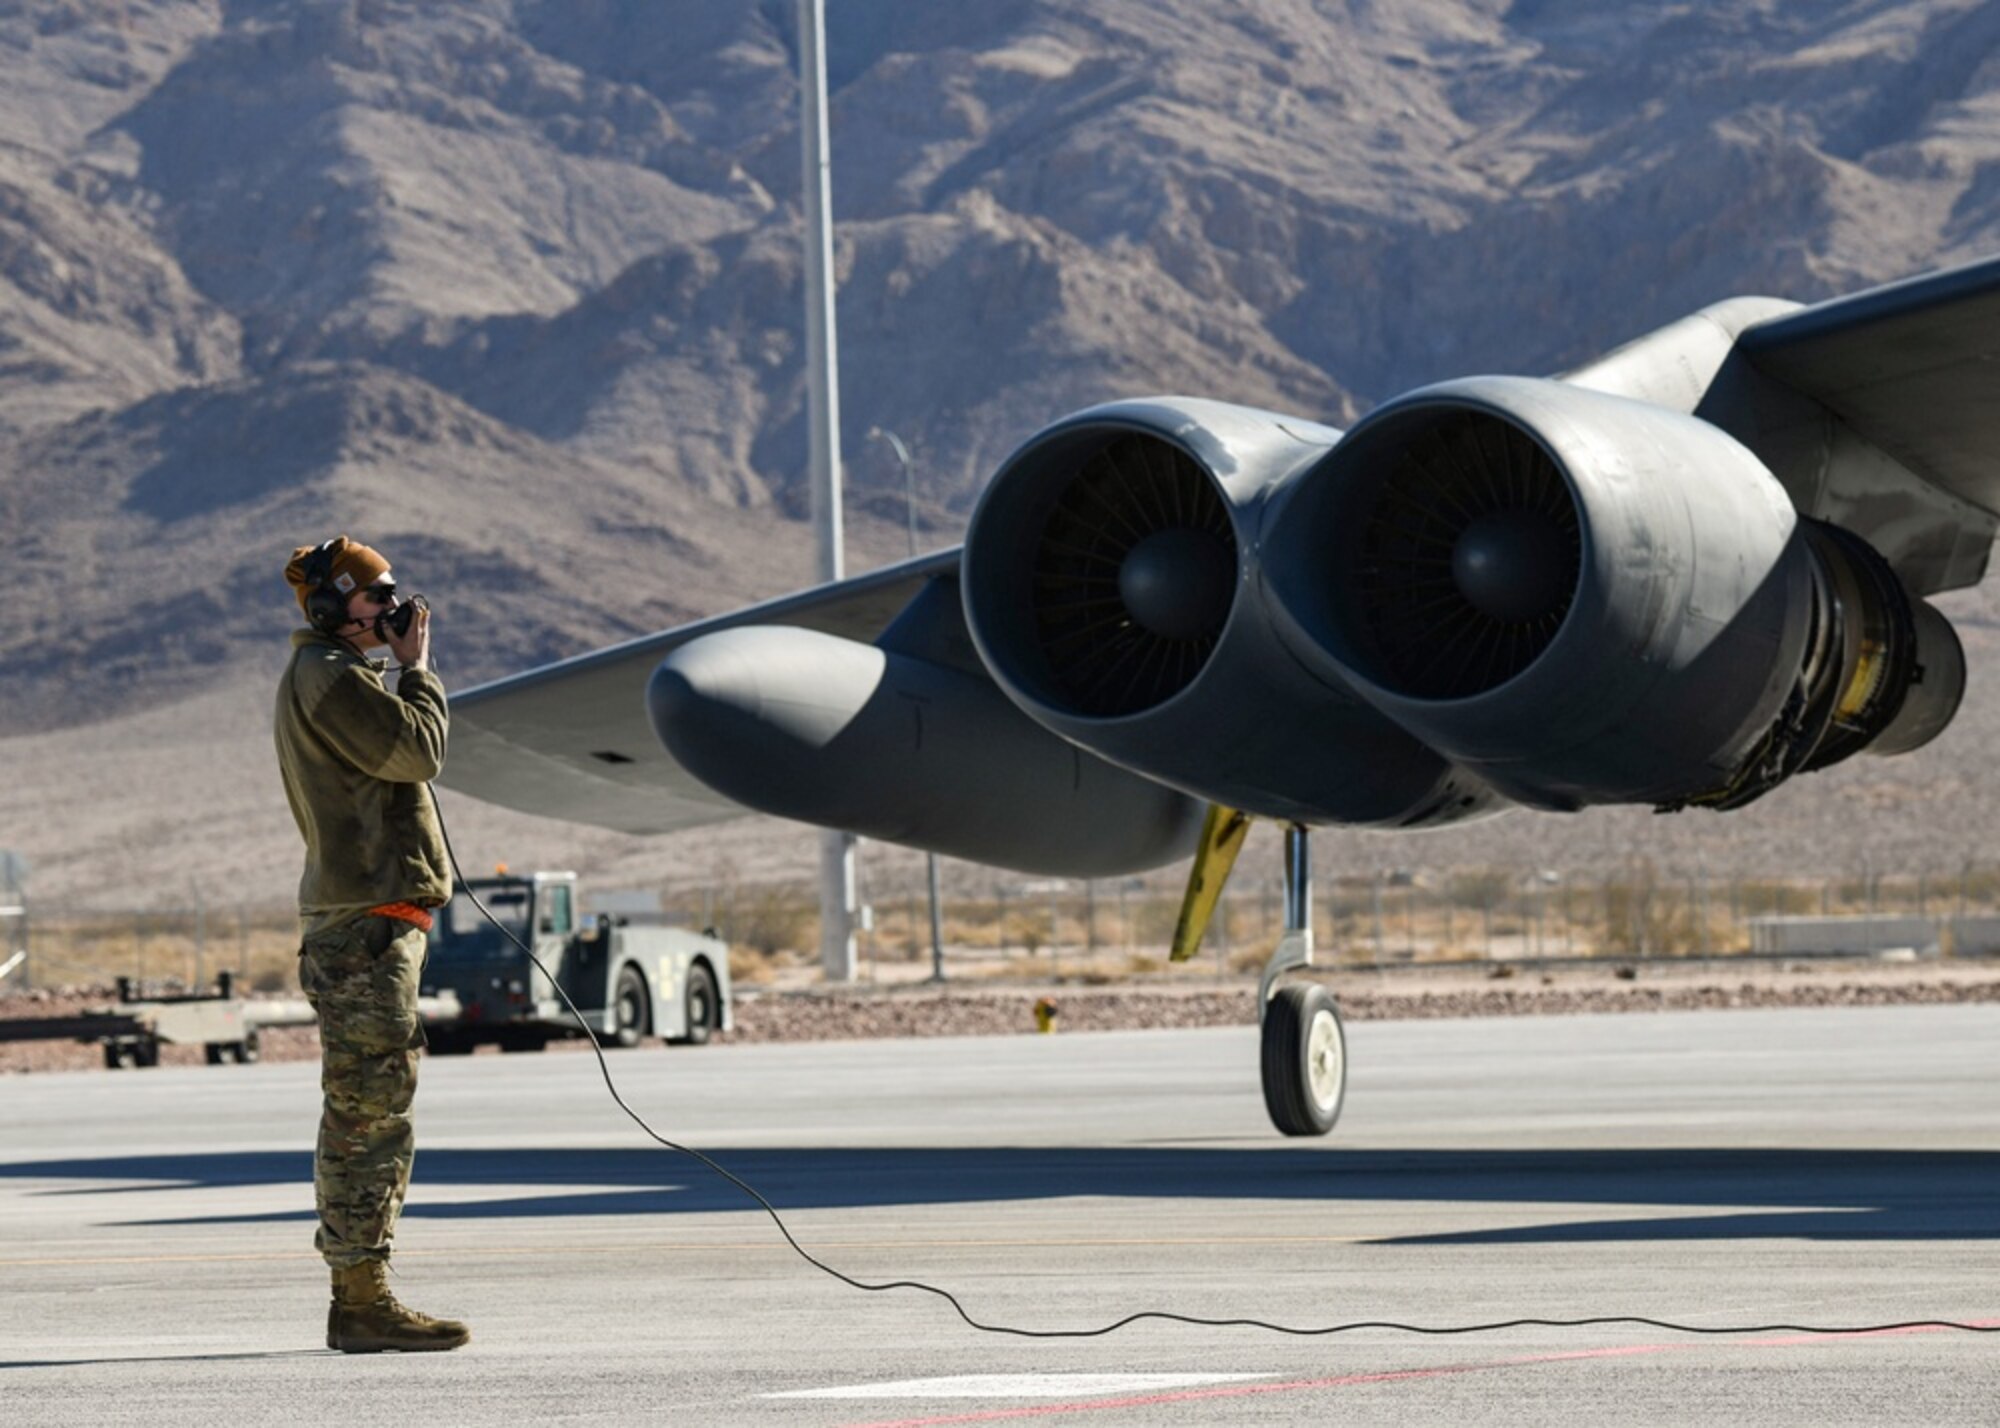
(326, 607)
(326, 604)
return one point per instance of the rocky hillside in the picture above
(512, 289)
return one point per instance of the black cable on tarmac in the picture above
(1164, 1315)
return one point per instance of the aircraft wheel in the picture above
(1305, 1059)
(704, 1011)
(632, 1006)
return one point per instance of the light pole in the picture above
(909, 486)
(910, 520)
(937, 925)
(837, 895)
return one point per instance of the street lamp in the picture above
(910, 521)
(909, 486)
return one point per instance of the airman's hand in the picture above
(413, 649)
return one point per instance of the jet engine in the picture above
(1587, 599)
(1112, 587)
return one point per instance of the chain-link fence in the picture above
(1387, 918)
(171, 947)
(1121, 928)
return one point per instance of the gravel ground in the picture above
(988, 1009)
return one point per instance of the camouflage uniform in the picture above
(355, 758)
(361, 977)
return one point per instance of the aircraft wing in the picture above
(1912, 367)
(1177, 602)
(571, 740)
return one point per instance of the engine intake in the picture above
(1112, 589)
(1467, 558)
(1588, 599)
(1103, 561)
(1133, 574)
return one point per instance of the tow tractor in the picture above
(629, 981)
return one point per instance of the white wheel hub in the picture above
(1325, 1066)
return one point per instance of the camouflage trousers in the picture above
(361, 978)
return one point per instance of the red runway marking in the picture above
(1190, 1395)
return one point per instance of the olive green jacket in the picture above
(355, 759)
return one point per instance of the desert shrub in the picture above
(773, 919)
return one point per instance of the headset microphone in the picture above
(397, 621)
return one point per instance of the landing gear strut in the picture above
(1304, 1057)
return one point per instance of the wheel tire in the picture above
(248, 1049)
(1304, 1059)
(704, 1011)
(631, 1007)
(146, 1053)
(114, 1056)
(215, 1052)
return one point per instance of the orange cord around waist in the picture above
(404, 912)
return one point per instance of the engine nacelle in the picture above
(1587, 599)
(1112, 587)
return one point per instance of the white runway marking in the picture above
(1022, 1385)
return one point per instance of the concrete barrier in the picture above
(1975, 936)
(1843, 936)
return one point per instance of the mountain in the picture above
(512, 289)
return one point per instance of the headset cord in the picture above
(1167, 1316)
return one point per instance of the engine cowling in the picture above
(1587, 599)
(1113, 589)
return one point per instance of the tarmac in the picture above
(1809, 1167)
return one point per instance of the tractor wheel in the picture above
(632, 1008)
(704, 1009)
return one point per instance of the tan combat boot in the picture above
(366, 1319)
